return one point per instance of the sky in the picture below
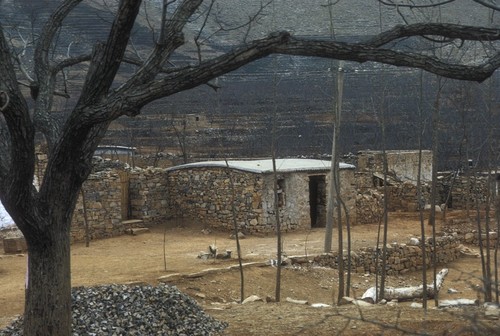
(5, 219)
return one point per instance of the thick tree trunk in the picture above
(48, 296)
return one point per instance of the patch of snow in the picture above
(5, 219)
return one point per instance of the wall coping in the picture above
(265, 166)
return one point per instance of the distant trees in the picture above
(30, 84)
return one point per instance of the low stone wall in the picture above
(473, 238)
(401, 258)
(467, 231)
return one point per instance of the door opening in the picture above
(317, 200)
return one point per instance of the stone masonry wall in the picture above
(104, 198)
(401, 258)
(148, 195)
(401, 163)
(465, 191)
(103, 202)
(205, 194)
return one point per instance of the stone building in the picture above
(204, 191)
(402, 174)
(401, 164)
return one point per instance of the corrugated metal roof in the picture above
(266, 166)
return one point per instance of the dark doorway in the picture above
(317, 200)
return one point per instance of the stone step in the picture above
(137, 231)
(132, 222)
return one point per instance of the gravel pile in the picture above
(134, 310)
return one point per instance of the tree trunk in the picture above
(48, 311)
(408, 293)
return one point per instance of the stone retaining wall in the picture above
(401, 258)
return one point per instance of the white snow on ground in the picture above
(5, 219)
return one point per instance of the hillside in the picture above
(236, 120)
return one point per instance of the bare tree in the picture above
(44, 215)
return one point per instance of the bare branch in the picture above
(451, 31)
(47, 37)
(399, 4)
(363, 53)
(200, 31)
(172, 38)
(70, 62)
(283, 43)
(488, 4)
(4, 102)
(106, 58)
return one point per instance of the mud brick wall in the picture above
(103, 202)
(148, 195)
(401, 258)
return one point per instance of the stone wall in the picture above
(401, 258)
(205, 195)
(404, 196)
(103, 203)
(466, 192)
(402, 177)
(148, 195)
(401, 163)
(108, 208)
(369, 207)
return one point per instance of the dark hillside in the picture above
(236, 120)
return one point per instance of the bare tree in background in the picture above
(106, 93)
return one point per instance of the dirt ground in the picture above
(140, 259)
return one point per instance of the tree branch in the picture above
(106, 58)
(170, 39)
(283, 43)
(17, 167)
(363, 53)
(43, 87)
(488, 4)
(393, 4)
(4, 102)
(451, 31)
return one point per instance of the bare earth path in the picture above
(140, 258)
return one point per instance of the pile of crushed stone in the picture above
(134, 310)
